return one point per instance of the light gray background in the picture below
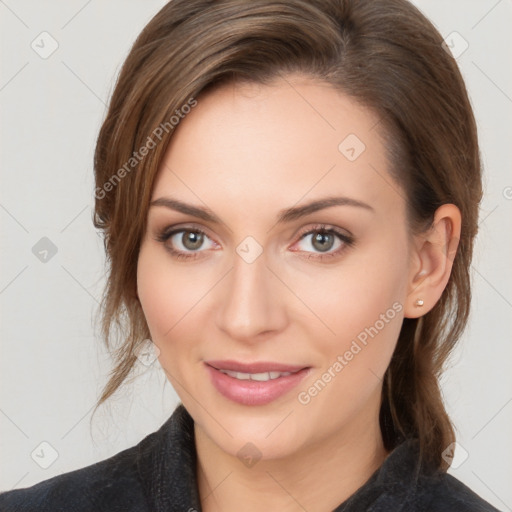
(52, 361)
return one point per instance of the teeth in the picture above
(262, 377)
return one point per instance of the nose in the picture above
(251, 303)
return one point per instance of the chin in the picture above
(270, 434)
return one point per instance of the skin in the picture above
(246, 152)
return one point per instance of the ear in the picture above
(432, 261)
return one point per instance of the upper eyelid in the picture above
(176, 228)
(325, 227)
(316, 226)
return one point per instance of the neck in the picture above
(320, 476)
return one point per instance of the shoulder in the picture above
(402, 484)
(113, 484)
(153, 475)
(443, 492)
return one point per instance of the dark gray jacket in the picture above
(159, 475)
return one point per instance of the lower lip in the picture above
(252, 392)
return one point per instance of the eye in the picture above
(185, 243)
(188, 242)
(325, 242)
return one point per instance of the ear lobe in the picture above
(435, 251)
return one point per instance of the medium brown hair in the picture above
(384, 54)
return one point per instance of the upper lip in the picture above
(256, 367)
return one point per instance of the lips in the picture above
(256, 383)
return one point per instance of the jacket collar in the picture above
(167, 465)
(392, 485)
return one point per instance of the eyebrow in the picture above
(286, 215)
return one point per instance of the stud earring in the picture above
(419, 303)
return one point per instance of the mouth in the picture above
(256, 367)
(256, 383)
(260, 377)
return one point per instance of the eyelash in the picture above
(347, 240)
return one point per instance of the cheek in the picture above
(165, 295)
(360, 304)
(176, 304)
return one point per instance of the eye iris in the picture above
(192, 240)
(325, 241)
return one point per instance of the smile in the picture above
(254, 386)
(261, 377)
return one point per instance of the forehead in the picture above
(259, 145)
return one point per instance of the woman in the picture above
(289, 194)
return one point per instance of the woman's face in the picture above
(261, 277)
